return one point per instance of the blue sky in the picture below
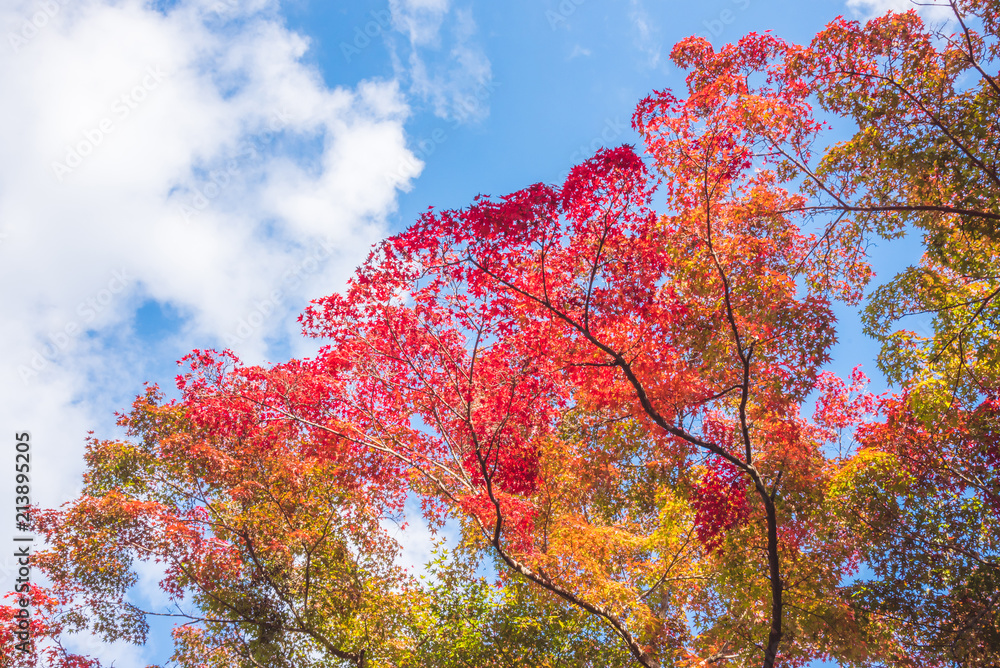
(188, 174)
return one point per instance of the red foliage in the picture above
(719, 502)
(40, 632)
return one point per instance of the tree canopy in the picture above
(616, 389)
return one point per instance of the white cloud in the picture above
(443, 61)
(935, 13)
(191, 139)
(188, 156)
(421, 20)
(417, 540)
(646, 38)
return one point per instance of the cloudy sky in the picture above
(189, 174)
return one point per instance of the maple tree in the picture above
(927, 106)
(607, 386)
(925, 497)
(923, 159)
(641, 468)
(273, 552)
(927, 110)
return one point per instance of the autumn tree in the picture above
(923, 160)
(277, 549)
(273, 553)
(925, 102)
(925, 157)
(608, 398)
(923, 498)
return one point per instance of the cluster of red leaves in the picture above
(748, 107)
(840, 406)
(42, 637)
(959, 453)
(518, 523)
(301, 403)
(719, 501)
